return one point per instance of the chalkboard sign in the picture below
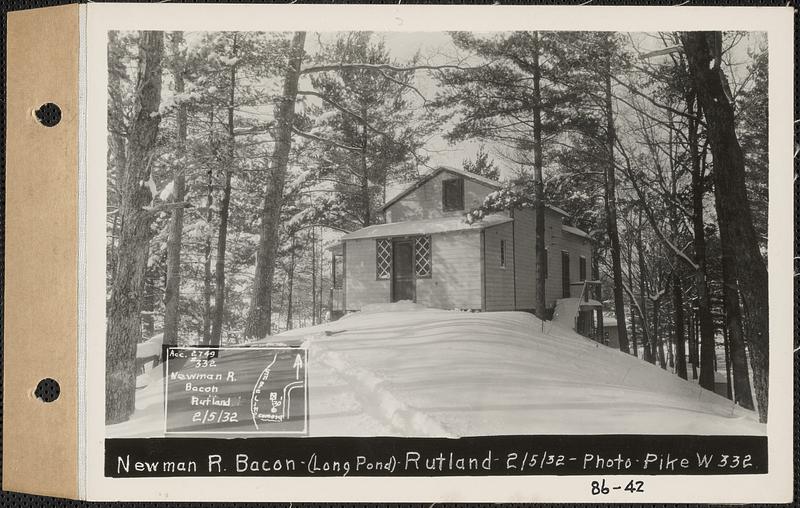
(236, 390)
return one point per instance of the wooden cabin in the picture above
(426, 252)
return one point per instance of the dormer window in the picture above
(453, 194)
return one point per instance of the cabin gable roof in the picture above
(494, 185)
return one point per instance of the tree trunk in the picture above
(124, 318)
(598, 294)
(173, 284)
(366, 212)
(647, 344)
(673, 221)
(207, 263)
(320, 283)
(538, 182)
(692, 341)
(112, 253)
(290, 284)
(633, 331)
(658, 343)
(742, 391)
(259, 315)
(118, 144)
(680, 344)
(707, 341)
(148, 300)
(736, 221)
(727, 343)
(313, 278)
(117, 147)
(611, 212)
(633, 313)
(670, 352)
(224, 213)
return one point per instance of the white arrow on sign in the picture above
(298, 364)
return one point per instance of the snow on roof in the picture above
(558, 210)
(425, 227)
(590, 304)
(574, 231)
(466, 174)
(609, 322)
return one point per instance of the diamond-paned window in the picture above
(383, 258)
(422, 256)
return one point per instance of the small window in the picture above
(582, 268)
(422, 256)
(383, 259)
(453, 194)
(503, 253)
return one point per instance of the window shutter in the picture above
(383, 258)
(422, 256)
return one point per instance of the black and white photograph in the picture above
(437, 234)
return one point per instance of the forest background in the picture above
(236, 159)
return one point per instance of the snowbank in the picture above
(150, 348)
(404, 370)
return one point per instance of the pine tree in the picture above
(482, 165)
(124, 318)
(173, 282)
(259, 316)
(515, 101)
(735, 217)
(364, 131)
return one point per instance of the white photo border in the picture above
(776, 486)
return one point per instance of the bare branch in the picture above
(650, 217)
(344, 110)
(166, 207)
(385, 67)
(325, 140)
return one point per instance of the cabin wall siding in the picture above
(455, 281)
(361, 287)
(556, 240)
(576, 246)
(499, 280)
(425, 202)
(466, 270)
(525, 258)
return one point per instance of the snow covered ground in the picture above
(403, 370)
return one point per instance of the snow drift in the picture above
(403, 370)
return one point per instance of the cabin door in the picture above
(403, 284)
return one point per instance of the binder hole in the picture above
(48, 114)
(47, 390)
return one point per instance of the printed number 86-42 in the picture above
(601, 487)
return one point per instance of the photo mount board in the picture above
(40, 326)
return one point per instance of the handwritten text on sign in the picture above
(236, 390)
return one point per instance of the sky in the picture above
(438, 48)
(435, 48)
